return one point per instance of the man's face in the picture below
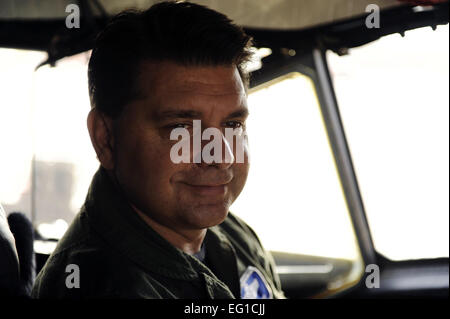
(185, 195)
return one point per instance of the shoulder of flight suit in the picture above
(100, 269)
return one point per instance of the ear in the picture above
(101, 133)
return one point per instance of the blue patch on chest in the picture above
(253, 285)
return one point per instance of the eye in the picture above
(234, 124)
(180, 125)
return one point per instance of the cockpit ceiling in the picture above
(258, 14)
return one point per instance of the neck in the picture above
(189, 241)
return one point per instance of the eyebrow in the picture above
(191, 114)
(241, 113)
(177, 114)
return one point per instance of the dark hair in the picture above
(185, 33)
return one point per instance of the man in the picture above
(152, 227)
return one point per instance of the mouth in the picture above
(207, 190)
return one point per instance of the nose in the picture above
(215, 150)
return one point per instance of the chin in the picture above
(208, 215)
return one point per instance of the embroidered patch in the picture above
(253, 285)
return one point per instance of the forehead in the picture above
(169, 85)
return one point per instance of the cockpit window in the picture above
(393, 97)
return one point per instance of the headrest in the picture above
(9, 261)
(22, 230)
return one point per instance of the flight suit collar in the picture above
(222, 258)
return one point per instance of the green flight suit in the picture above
(117, 255)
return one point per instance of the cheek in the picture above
(145, 162)
(240, 172)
